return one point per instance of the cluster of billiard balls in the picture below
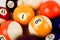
(41, 18)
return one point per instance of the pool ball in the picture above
(33, 3)
(49, 9)
(11, 5)
(53, 37)
(56, 25)
(11, 29)
(4, 14)
(27, 37)
(23, 14)
(40, 26)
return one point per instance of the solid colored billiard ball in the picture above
(27, 37)
(11, 29)
(56, 25)
(23, 14)
(4, 14)
(53, 37)
(40, 26)
(49, 9)
(11, 5)
(33, 3)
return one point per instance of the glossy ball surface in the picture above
(23, 14)
(49, 9)
(40, 26)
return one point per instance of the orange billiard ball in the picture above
(40, 26)
(23, 14)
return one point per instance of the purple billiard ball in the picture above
(56, 25)
(27, 37)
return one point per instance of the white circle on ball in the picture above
(10, 4)
(50, 37)
(2, 37)
(22, 16)
(3, 11)
(37, 21)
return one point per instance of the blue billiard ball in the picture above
(56, 25)
(53, 37)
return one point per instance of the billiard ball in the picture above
(11, 29)
(4, 14)
(40, 26)
(27, 37)
(49, 9)
(23, 14)
(56, 25)
(11, 5)
(33, 3)
(53, 37)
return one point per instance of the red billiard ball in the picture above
(11, 29)
(4, 14)
(49, 9)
